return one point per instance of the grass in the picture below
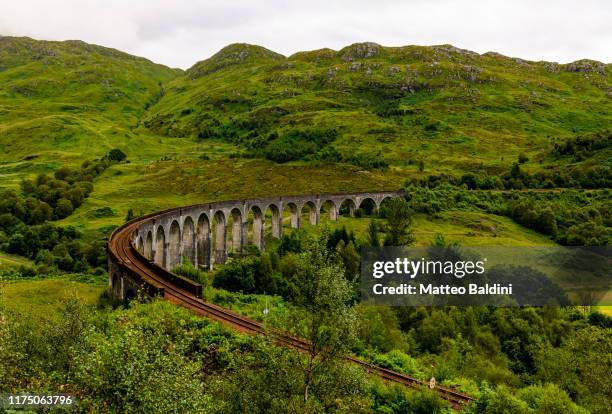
(466, 228)
(607, 310)
(45, 298)
(10, 260)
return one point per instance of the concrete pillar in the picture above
(204, 243)
(221, 239)
(351, 209)
(204, 249)
(181, 253)
(244, 233)
(357, 201)
(277, 222)
(236, 234)
(167, 260)
(377, 203)
(161, 246)
(296, 218)
(148, 249)
(333, 212)
(258, 230)
(120, 289)
(195, 248)
(315, 216)
(208, 249)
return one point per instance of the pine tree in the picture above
(373, 234)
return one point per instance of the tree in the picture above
(326, 319)
(266, 381)
(64, 208)
(580, 367)
(399, 222)
(373, 234)
(350, 258)
(130, 215)
(515, 171)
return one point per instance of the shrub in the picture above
(63, 208)
(116, 155)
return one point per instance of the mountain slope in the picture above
(69, 98)
(403, 105)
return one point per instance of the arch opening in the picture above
(309, 213)
(347, 208)
(384, 202)
(367, 207)
(328, 211)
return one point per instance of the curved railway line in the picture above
(159, 281)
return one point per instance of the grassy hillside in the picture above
(450, 108)
(63, 101)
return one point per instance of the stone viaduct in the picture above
(206, 233)
(141, 252)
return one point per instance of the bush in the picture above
(63, 208)
(296, 144)
(116, 155)
(188, 270)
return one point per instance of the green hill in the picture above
(436, 108)
(449, 107)
(71, 99)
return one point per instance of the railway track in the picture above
(124, 253)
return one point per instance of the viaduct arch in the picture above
(205, 234)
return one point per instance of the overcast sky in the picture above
(179, 33)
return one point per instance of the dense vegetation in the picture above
(24, 218)
(571, 217)
(509, 358)
(483, 350)
(185, 363)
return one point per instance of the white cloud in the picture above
(179, 33)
